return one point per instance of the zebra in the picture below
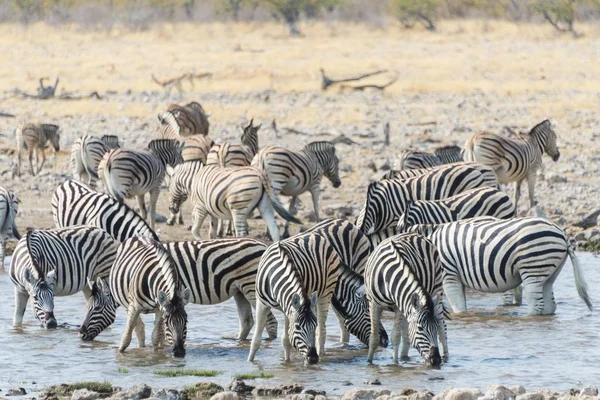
(487, 173)
(178, 122)
(144, 279)
(196, 148)
(403, 274)
(75, 203)
(353, 249)
(231, 155)
(515, 160)
(128, 173)
(180, 187)
(232, 193)
(292, 173)
(87, 152)
(213, 270)
(58, 262)
(472, 203)
(34, 137)
(493, 255)
(387, 199)
(419, 159)
(289, 272)
(9, 207)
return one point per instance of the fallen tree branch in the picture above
(6, 115)
(71, 96)
(361, 88)
(326, 81)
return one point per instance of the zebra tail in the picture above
(279, 208)
(580, 283)
(222, 154)
(467, 151)
(89, 168)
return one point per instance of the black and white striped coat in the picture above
(129, 173)
(492, 255)
(58, 262)
(298, 277)
(387, 199)
(403, 275)
(235, 155)
(353, 249)
(472, 203)
(231, 194)
(180, 187)
(75, 203)
(178, 122)
(292, 173)
(515, 160)
(420, 159)
(144, 279)
(86, 154)
(487, 173)
(196, 148)
(35, 137)
(9, 206)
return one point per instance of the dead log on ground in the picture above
(6, 115)
(370, 86)
(326, 81)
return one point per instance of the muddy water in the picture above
(492, 344)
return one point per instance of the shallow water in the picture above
(492, 344)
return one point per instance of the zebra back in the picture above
(196, 148)
(449, 154)
(111, 141)
(75, 203)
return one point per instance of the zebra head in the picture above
(53, 135)
(40, 286)
(250, 137)
(101, 310)
(377, 213)
(303, 325)
(423, 327)
(175, 319)
(546, 139)
(327, 159)
(350, 301)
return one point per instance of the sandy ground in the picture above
(468, 77)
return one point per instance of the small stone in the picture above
(421, 396)
(347, 383)
(556, 179)
(498, 392)
(272, 391)
(239, 386)
(167, 394)
(372, 166)
(590, 221)
(589, 391)
(373, 382)
(16, 392)
(364, 394)
(228, 396)
(518, 389)
(459, 394)
(84, 394)
(314, 392)
(530, 396)
(406, 392)
(207, 389)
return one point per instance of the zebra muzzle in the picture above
(49, 320)
(434, 359)
(556, 156)
(312, 357)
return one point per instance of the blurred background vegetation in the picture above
(560, 15)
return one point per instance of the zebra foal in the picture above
(292, 173)
(9, 206)
(492, 255)
(86, 154)
(472, 203)
(35, 137)
(297, 276)
(133, 173)
(213, 270)
(144, 279)
(75, 203)
(58, 262)
(515, 160)
(403, 275)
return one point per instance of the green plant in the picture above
(255, 375)
(123, 370)
(67, 390)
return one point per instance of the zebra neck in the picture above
(536, 141)
(404, 299)
(314, 162)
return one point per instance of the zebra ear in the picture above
(415, 301)
(163, 299)
(101, 283)
(296, 300)
(90, 284)
(185, 296)
(361, 291)
(50, 277)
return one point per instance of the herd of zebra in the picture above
(432, 228)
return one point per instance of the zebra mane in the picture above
(545, 124)
(158, 143)
(34, 261)
(284, 252)
(167, 265)
(322, 145)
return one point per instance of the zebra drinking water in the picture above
(144, 279)
(58, 262)
(515, 160)
(492, 255)
(9, 206)
(403, 275)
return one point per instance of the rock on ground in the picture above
(459, 394)
(167, 394)
(228, 396)
(137, 392)
(273, 391)
(84, 394)
(365, 394)
(498, 392)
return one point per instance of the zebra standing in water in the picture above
(144, 279)
(213, 270)
(492, 255)
(515, 160)
(232, 193)
(419, 159)
(234, 155)
(34, 137)
(87, 152)
(9, 206)
(292, 173)
(75, 203)
(178, 122)
(129, 173)
(289, 272)
(351, 308)
(404, 275)
(472, 203)
(387, 199)
(58, 262)
(196, 148)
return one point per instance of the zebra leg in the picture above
(292, 209)
(405, 339)
(154, 193)
(198, 218)
(315, 192)
(517, 196)
(455, 291)
(375, 321)
(261, 320)
(239, 218)
(531, 189)
(285, 339)
(19, 162)
(518, 295)
(534, 295)
(548, 293)
(344, 334)
(443, 339)
(132, 318)
(21, 299)
(31, 161)
(140, 332)
(214, 222)
(271, 320)
(43, 160)
(268, 215)
(158, 333)
(180, 218)
(142, 206)
(322, 310)
(396, 335)
(245, 314)
(2, 252)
